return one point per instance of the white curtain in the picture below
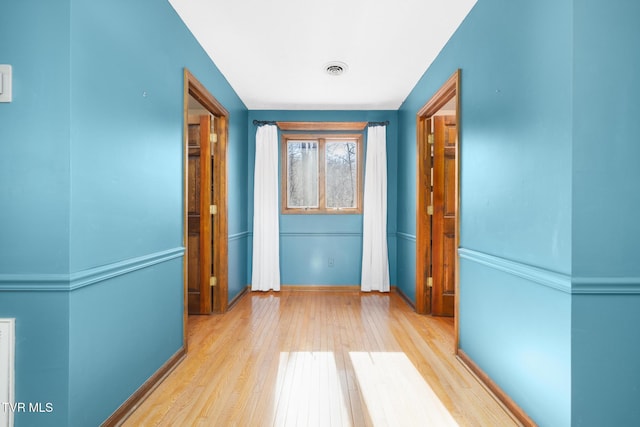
(375, 257)
(266, 234)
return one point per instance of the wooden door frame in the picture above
(448, 90)
(192, 87)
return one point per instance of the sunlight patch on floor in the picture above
(395, 393)
(308, 391)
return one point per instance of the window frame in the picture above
(322, 139)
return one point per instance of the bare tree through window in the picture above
(341, 179)
(302, 167)
(322, 173)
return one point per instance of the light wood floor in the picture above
(320, 358)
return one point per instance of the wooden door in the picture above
(443, 239)
(200, 236)
(213, 138)
(424, 203)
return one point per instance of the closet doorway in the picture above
(205, 204)
(437, 222)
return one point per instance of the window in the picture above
(322, 173)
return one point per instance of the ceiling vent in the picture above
(336, 68)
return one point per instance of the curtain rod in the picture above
(271, 122)
(263, 122)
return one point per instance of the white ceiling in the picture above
(273, 52)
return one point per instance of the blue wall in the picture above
(34, 135)
(606, 201)
(92, 195)
(34, 200)
(308, 241)
(549, 277)
(515, 225)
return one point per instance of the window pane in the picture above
(302, 170)
(341, 174)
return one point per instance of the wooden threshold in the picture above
(502, 397)
(136, 399)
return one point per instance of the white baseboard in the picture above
(7, 375)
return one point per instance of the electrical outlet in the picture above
(330, 261)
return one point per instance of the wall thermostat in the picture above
(5, 83)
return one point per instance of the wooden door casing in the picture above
(437, 216)
(211, 250)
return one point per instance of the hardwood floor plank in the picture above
(320, 358)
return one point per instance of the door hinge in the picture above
(213, 209)
(213, 281)
(213, 138)
(429, 210)
(429, 282)
(430, 138)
